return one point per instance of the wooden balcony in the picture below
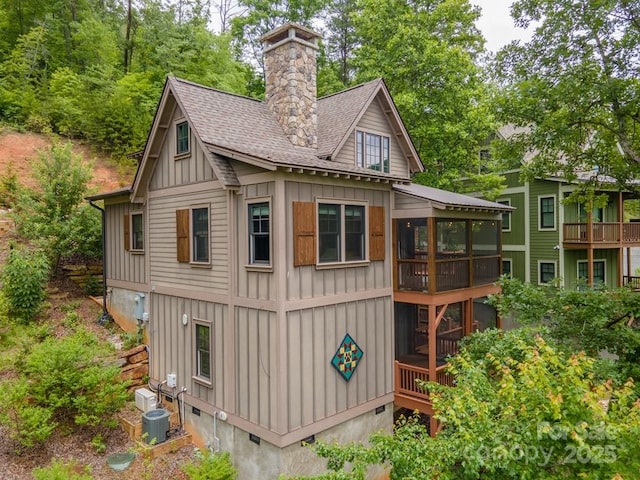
(602, 235)
(407, 392)
(449, 274)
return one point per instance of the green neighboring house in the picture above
(545, 237)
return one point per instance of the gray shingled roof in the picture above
(451, 199)
(337, 114)
(247, 126)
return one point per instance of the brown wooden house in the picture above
(255, 248)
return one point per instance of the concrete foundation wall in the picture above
(121, 304)
(267, 462)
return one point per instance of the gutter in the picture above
(106, 317)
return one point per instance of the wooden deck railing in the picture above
(450, 274)
(631, 281)
(602, 232)
(406, 376)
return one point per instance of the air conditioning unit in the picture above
(145, 400)
(155, 426)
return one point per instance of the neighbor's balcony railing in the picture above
(450, 274)
(602, 232)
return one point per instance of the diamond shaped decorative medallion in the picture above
(347, 357)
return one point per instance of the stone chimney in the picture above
(290, 80)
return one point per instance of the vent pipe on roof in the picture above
(290, 81)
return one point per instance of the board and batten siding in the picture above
(171, 171)
(315, 388)
(256, 367)
(123, 265)
(172, 344)
(374, 120)
(164, 268)
(309, 281)
(406, 205)
(254, 284)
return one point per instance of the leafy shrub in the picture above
(24, 280)
(54, 215)
(210, 466)
(59, 470)
(66, 380)
(9, 186)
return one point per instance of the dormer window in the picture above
(372, 151)
(182, 138)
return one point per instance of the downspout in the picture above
(106, 316)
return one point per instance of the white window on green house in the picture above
(137, 232)
(202, 344)
(547, 209)
(507, 265)
(182, 138)
(506, 216)
(372, 151)
(333, 245)
(598, 271)
(546, 272)
(259, 234)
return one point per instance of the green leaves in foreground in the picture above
(521, 409)
(61, 381)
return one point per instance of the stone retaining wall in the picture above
(135, 366)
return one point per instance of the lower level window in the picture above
(546, 271)
(598, 271)
(506, 267)
(333, 244)
(203, 350)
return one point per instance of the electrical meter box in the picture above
(145, 399)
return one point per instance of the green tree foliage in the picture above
(589, 320)
(574, 88)
(211, 466)
(24, 278)
(427, 51)
(520, 409)
(63, 68)
(61, 382)
(59, 470)
(54, 214)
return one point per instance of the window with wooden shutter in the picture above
(376, 233)
(127, 233)
(304, 233)
(182, 235)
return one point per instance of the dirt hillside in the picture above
(19, 150)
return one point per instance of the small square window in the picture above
(546, 271)
(259, 234)
(182, 138)
(506, 267)
(137, 232)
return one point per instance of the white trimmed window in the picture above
(259, 233)
(182, 138)
(203, 358)
(599, 269)
(547, 213)
(546, 271)
(341, 232)
(506, 216)
(372, 151)
(137, 232)
(507, 267)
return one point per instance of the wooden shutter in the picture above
(304, 233)
(182, 235)
(376, 233)
(127, 233)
